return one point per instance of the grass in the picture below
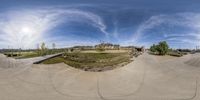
(31, 54)
(171, 53)
(91, 60)
(28, 55)
(54, 60)
(21, 54)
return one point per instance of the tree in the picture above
(43, 49)
(161, 48)
(153, 48)
(53, 47)
(38, 49)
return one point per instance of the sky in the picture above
(28, 23)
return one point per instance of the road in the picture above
(148, 77)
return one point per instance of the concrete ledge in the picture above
(46, 58)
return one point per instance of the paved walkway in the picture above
(147, 78)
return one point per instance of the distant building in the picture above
(83, 47)
(108, 46)
(140, 49)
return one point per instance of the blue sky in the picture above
(27, 23)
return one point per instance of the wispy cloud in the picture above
(26, 28)
(37, 23)
(190, 21)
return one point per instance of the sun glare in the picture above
(26, 30)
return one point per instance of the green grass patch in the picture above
(54, 60)
(29, 55)
(21, 54)
(91, 60)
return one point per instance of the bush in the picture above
(161, 48)
(153, 48)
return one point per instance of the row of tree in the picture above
(161, 48)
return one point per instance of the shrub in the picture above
(153, 48)
(161, 48)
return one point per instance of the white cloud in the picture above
(187, 20)
(25, 28)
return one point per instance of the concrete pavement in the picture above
(148, 77)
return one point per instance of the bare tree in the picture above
(38, 49)
(53, 47)
(43, 48)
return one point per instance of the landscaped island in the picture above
(101, 57)
(92, 61)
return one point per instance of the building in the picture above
(83, 47)
(108, 46)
